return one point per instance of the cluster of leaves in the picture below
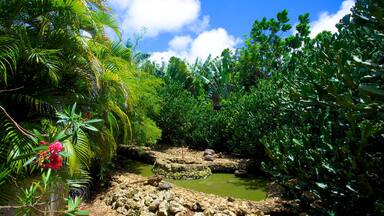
(332, 103)
(54, 53)
(311, 108)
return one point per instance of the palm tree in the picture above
(46, 62)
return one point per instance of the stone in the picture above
(165, 186)
(154, 205)
(198, 214)
(231, 199)
(209, 158)
(167, 196)
(175, 207)
(241, 173)
(114, 205)
(163, 209)
(147, 200)
(209, 212)
(209, 152)
(122, 211)
(229, 213)
(197, 207)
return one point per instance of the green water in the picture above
(222, 184)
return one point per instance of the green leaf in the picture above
(321, 185)
(29, 161)
(82, 212)
(59, 136)
(372, 89)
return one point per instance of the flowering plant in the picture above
(50, 158)
(48, 150)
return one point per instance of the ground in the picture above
(130, 195)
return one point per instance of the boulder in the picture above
(163, 209)
(154, 205)
(209, 157)
(175, 207)
(197, 207)
(241, 173)
(165, 186)
(209, 152)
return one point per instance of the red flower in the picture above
(42, 142)
(55, 162)
(55, 147)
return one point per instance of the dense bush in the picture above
(237, 127)
(330, 142)
(314, 107)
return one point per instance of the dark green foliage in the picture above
(330, 142)
(313, 107)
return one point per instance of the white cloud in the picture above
(208, 42)
(328, 21)
(156, 16)
(212, 42)
(200, 25)
(180, 43)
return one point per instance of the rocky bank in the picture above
(131, 195)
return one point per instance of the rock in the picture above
(231, 199)
(165, 186)
(204, 205)
(122, 211)
(197, 207)
(175, 207)
(167, 196)
(209, 158)
(209, 152)
(198, 214)
(209, 212)
(229, 213)
(154, 181)
(163, 209)
(114, 206)
(241, 173)
(147, 200)
(154, 205)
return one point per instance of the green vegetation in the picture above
(310, 111)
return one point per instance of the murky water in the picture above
(223, 184)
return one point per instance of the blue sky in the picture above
(193, 29)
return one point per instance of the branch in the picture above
(10, 90)
(21, 129)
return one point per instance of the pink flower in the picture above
(55, 147)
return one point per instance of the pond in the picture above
(222, 184)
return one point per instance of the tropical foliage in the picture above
(308, 110)
(61, 75)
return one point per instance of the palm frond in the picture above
(14, 142)
(8, 56)
(108, 20)
(127, 127)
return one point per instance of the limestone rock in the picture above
(165, 186)
(154, 205)
(175, 207)
(209, 158)
(163, 209)
(209, 152)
